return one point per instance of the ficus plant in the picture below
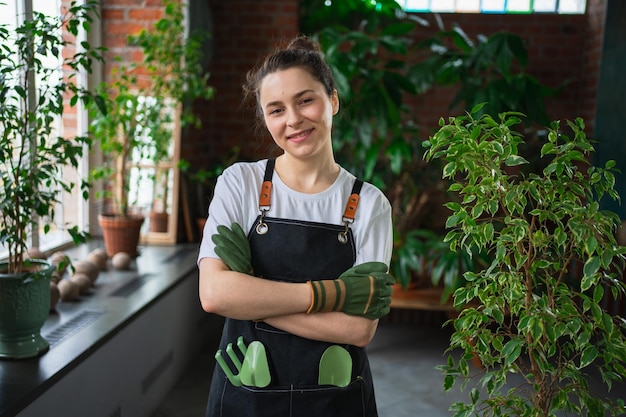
(37, 73)
(536, 316)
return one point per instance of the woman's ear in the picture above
(335, 102)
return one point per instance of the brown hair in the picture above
(301, 52)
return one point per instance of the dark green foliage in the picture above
(379, 64)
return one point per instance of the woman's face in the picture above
(298, 112)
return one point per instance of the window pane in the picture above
(47, 7)
(417, 5)
(519, 6)
(442, 6)
(544, 6)
(493, 6)
(9, 13)
(572, 6)
(468, 6)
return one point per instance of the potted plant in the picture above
(379, 64)
(145, 105)
(540, 305)
(32, 156)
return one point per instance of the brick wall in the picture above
(244, 30)
(557, 57)
(592, 47)
(121, 18)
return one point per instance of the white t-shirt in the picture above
(236, 199)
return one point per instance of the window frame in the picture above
(490, 6)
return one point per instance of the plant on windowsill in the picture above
(138, 120)
(35, 91)
(541, 312)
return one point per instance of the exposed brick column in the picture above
(244, 30)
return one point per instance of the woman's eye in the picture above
(306, 100)
(274, 111)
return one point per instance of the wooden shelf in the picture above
(420, 299)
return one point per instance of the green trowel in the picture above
(255, 371)
(335, 367)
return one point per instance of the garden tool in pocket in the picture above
(335, 367)
(253, 372)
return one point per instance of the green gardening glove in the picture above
(363, 290)
(232, 246)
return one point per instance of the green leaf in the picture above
(591, 267)
(587, 282)
(590, 353)
(598, 294)
(474, 395)
(453, 220)
(449, 169)
(547, 148)
(511, 351)
(515, 160)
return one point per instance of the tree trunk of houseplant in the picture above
(24, 307)
(120, 229)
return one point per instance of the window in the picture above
(495, 6)
(71, 208)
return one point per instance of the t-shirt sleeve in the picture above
(225, 208)
(377, 239)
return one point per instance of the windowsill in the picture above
(77, 329)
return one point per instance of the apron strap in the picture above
(265, 196)
(353, 202)
(350, 211)
(266, 188)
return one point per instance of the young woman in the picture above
(306, 282)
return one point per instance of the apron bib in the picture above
(294, 251)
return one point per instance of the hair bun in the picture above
(305, 43)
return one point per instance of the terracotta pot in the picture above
(121, 234)
(158, 221)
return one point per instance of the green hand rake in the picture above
(254, 371)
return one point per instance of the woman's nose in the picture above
(294, 118)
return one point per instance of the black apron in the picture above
(294, 251)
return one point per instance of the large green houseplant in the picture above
(379, 64)
(368, 47)
(540, 314)
(146, 103)
(33, 154)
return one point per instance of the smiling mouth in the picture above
(300, 135)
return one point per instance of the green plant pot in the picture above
(24, 308)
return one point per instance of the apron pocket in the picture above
(321, 400)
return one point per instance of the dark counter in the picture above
(77, 330)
